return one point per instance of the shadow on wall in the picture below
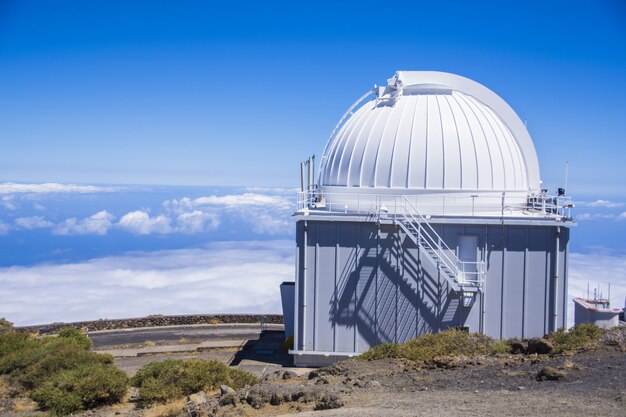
(394, 293)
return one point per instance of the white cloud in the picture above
(196, 222)
(34, 222)
(8, 202)
(273, 190)
(141, 223)
(237, 277)
(622, 216)
(97, 224)
(601, 203)
(51, 187)
(246, 199)
(594, 216)
(4, 228)
(265, 214)
(223, 277)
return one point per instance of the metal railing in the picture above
(505, 204)
(461, 273)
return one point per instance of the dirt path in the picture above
(595, 385)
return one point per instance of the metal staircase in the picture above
(461, 275)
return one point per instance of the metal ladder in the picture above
(461, 275)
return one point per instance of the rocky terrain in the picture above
(590, 382)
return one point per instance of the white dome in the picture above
(430, 132)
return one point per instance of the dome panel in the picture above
(452, 135)
(452, 145)
(417, 164)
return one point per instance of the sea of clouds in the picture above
(83, 252)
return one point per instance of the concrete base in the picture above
(318, 359)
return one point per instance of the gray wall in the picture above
(365, 284)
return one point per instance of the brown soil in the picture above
(594, 385)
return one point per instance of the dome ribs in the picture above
(458, 141)
(366, 151)
(484, 111)
(484, 135)
(410, 145)
(350, 177)
(342, 139)
(441, 132)
(467, 131)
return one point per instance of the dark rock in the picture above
(540, 346)
(201, 405)
(289, 375)
(329, 401)
(322, 381)
(228, 399)
(518, 347)
(225, 389)
(549, 373)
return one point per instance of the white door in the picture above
(467, 251)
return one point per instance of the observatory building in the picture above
(428, 214)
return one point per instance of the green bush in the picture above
(33, 365)
(53, 367)
(582, 336)
(84, 387)
(159, 382)
(448, 343)
(11, 342)
(75, 335)
(382, 351)
(4, 323)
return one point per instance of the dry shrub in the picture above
(583, 336)
(160, 382)
(447, 344)
(170, 409)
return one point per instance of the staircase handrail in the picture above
(432, 234)
(439, 246)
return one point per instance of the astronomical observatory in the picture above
(428, 214)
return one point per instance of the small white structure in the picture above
(596, 311)
(428, 214)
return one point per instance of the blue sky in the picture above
(172, 134)
(199, 93)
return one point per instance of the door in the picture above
(467, 251)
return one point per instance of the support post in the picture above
(555, 302)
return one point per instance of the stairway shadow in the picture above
(268, 348)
